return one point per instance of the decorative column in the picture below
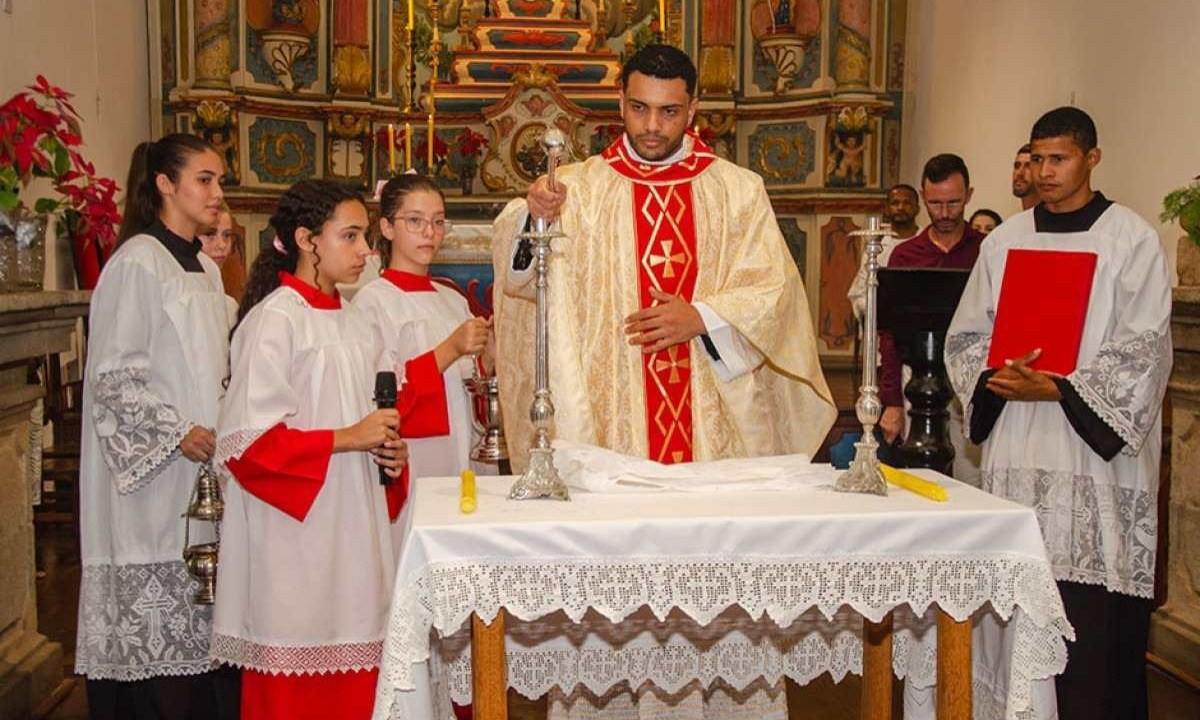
(32, 325)
(351, 71)
(718, 68)
(214, 44)
(852, 58)
(1175, 627)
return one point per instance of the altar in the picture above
(730, 590)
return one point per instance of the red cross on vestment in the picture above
(666, 250)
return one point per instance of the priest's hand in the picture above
(199, 444)
(392, 456)
(891, 423)
(1017, 381)
(671, 322)
(373, 431)
(543, 201)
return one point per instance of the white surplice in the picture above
(1099, 519)
(411, 324)
(157, 354)
(306, 596)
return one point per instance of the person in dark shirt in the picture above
(947, 242)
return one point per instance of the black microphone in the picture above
(385, 399)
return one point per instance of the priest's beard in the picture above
(661, 151)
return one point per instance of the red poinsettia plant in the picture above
(40, 138)
(470, 144)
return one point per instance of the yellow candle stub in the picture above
(466, 497)
(914, 484)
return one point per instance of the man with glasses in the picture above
(947, 242)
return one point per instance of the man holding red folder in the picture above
(1060, 351)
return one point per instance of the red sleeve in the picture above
(396, 494)
(285, 468)
(890, 392)
(422, 400)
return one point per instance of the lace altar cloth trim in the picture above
(831, 593)
(138, 621)
(296, 660)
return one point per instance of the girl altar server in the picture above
(157, 354)
(427, 329)
(307, 560)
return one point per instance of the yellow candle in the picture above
(431, 142)
(410, 15)
(391, 148)
(662, 17)
(407, 146)
(467, 500)
(914, 484)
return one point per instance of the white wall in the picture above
(95, 49)
(980, 72)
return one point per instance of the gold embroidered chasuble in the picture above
(701, 228)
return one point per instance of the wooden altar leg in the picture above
(953, 668)
(877, 669)
(489, 676)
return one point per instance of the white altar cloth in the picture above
(753, 586)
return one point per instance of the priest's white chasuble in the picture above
(700, 228)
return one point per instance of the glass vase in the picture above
(22, 250)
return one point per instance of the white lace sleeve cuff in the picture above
(139, 433)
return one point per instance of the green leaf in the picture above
(8, 199)
(45, 206)
(62, 160)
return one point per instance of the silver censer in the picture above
(864, 475)
(492, 448)
(541, 479)
(206, 505)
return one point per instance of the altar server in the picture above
(428, 331)
(307, 558)
(157, 353)
(1081, 447)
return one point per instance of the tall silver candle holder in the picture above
(541, 479)
(864, 475)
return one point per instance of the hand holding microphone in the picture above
(378, 432)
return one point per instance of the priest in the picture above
(679, 327)
(1082, 447)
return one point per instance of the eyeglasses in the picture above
(416, 224)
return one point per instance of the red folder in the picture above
(1043, 304)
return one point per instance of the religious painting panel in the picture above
(168, 48)
(797, 243)
(839, 264)
(891, 152)
(786, 54)
(783, 153)
(281, 151)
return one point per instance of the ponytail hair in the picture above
(391, 199)
(165, 156)
(308, 204)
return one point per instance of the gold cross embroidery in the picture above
(667, 258)
(674, 364)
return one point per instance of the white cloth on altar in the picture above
(777, 555)
(595, 469)
(157, 353)
(412, 324)
(311, 595)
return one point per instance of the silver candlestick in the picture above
(864, 475)
(541, 479)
